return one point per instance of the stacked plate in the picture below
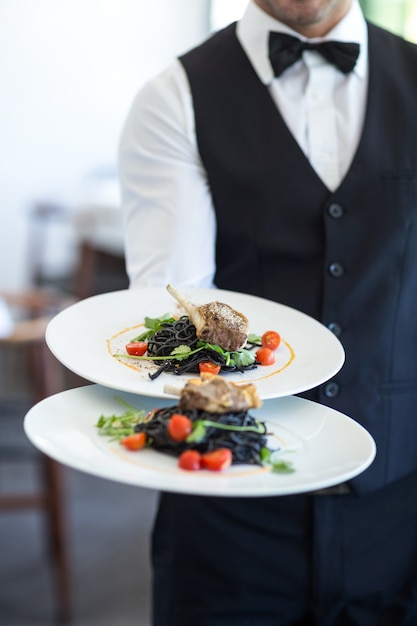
(324, 446)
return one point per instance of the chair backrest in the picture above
(23, 350)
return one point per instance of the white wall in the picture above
(69, 70)
(223, 13)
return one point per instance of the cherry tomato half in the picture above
(190, 460)
(134, 442)
(265, 356)
(209, 367)
(271, 339)
(136, 348)
(217, 460)
(179, 427)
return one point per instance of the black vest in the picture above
(347, 258)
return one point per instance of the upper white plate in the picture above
(85, 335)
(325, 446)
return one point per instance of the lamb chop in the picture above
(214, 395)
(215, 322)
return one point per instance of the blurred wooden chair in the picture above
(99, 268)
(31, 312)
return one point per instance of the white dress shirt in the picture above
(169, 219)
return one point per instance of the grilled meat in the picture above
(216, 322)
(214, 395)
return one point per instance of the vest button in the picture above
(336, 211)
(336, 270)
(335, 328)
(331, 390)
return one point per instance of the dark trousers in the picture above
(305, 560)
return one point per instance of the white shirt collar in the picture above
(253, 29)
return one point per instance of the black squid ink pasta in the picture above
(182, 332)
(245, 445)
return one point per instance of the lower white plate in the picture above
(325, 446)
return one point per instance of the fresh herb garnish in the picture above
(200, 427)
(153, 324)
(272, 459)
(118, 426)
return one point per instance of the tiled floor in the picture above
(109, 533)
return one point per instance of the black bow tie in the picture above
(284, 50)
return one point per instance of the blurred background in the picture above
(69, 70)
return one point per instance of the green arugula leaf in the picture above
(153, 324)
(118, 426)
(200, 426)
(277, 464)
(282, 467)
(252, 338)
(211, 346)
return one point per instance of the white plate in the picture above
(325, 446)
(85, 335)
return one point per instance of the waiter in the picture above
(279, 167)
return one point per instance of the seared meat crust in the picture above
(223, 326)
(216, 322)
(215, 395)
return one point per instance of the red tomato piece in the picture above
(271, 339)
(217, 460)
(209, 367)
(190, 460)
(179, 427)
(265, 356)
(134, 442)
(136, 348)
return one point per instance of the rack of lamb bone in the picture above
(215, 322)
